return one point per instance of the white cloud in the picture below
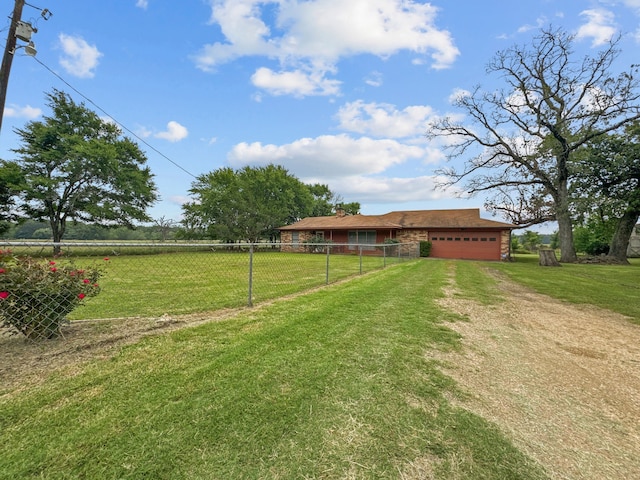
(374, 79)
(328, 156)
(174, 133)
(540, 22)
(80, 59)
(384, 120)
(309, 38)
(374, 190)
(458, 94)
(296, 83)
(27, 112)
(600, 26)
(634, 4)
(353, 168)
(142, 4)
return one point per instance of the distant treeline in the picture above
(32, 230)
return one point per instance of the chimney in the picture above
(340, 211)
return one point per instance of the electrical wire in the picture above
(114, 119)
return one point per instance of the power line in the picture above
(114, 119)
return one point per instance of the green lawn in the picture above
(338, 383)
(189, 282)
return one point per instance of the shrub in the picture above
(36, 295)
(425, 248)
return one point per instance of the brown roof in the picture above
(459, 218)
(342, 223)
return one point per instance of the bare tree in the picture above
(521, 139)
(164, 226)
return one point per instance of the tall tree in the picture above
(522, 138)
(609, 185)
(247, 204)
(10, 184)
(78, 167)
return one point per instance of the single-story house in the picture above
(459, 233)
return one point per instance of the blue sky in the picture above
(336, 91)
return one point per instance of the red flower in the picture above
(81, 296)
(106, 259)
(4, 295)
(52, 263)
(96, 285)
(86, 280)
(53, 269)
(2, 270)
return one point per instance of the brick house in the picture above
(459, 233)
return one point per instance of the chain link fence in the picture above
(44, 285)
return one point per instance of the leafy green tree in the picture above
(248, 204)
(351, 208)
(531, 240)
(609, 186)
(10, 184)
(522, 139)
(78, 167)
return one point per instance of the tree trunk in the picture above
(548, 258)
(565, 231)
(620, 240)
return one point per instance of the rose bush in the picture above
(36, 295)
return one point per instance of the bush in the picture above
(425, 248)
(37, 295)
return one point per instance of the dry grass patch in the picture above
(561, 380)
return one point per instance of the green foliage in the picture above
(608, 189)
(76, 166)
(10, 184)
(531, 240)
(425, 248)
(592, 239)
(248, 204)
(36, 295)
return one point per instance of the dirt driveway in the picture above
(563, 381)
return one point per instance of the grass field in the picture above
(180, 283)
(338, 383)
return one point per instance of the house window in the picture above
(466, 239)
(362, 237)
(295, 237)
(493, 239)
(319, 235)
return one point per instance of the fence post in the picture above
(250, 300)
(384, 256)
(327, 268)
(360, 257)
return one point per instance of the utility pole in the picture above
(7, 58)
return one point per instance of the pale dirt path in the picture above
(562, 381)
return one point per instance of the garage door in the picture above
(480, 245)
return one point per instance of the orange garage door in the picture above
(480, 245)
